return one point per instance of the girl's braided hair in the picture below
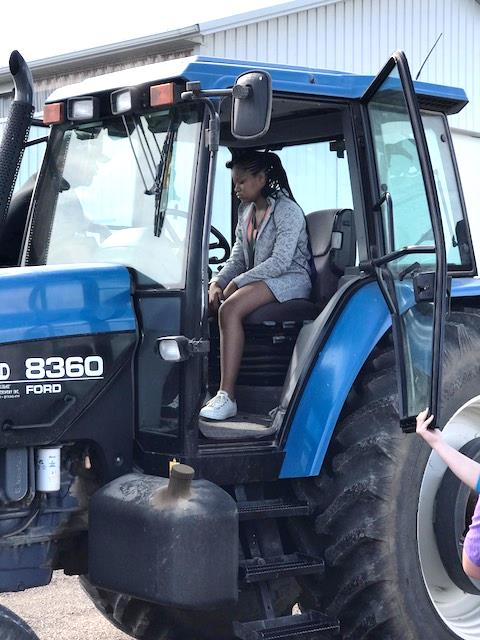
(268, 162)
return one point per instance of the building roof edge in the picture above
(265, 13)
(144, 42)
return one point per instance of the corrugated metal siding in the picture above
(359, 35)
(348, 35)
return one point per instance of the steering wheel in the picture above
(221, 243)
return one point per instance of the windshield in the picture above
(120, 191)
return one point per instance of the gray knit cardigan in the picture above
(281, 253)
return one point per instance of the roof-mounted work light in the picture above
(124, 101)
(82, 109)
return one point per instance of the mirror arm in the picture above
(194, 90)
(213, 131)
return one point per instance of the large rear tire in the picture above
(375, 497)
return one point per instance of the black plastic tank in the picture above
(173, 542)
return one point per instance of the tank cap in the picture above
(182, 472)
(181, 476)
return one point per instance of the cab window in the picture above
(318, 174)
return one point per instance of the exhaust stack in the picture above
(16, 130)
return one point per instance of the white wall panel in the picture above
(359, 35)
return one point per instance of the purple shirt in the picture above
(471, 546)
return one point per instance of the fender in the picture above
(344, 353)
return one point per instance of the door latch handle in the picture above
(424, 286)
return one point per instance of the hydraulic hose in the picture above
(16, 130)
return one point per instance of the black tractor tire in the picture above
(14, 628)
(367, 496)
(148, 621)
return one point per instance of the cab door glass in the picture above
(457, 244)
(400, 174)
(412, 268)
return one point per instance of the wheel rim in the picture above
(460, 611)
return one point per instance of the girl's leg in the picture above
(232, 337)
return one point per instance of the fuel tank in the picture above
(171, 541)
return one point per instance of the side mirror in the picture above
(251, 105)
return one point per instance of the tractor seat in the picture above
(332, 238)
(272, 330)
(299, 310)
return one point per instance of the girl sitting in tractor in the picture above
(270, 262)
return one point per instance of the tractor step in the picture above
(276, 508)
(261, 569)
(311, 625)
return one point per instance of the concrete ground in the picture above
(61, 611)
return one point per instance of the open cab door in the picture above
(408, 249)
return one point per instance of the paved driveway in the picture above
(61, 611)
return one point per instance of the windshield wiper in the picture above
(137, 161)
(162, 179)
(161, 176)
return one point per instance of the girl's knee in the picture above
(227, 311)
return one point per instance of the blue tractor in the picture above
(313, 513)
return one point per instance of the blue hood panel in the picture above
(50, 302)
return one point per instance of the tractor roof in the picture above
(219, 73)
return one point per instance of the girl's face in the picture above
(248, 186)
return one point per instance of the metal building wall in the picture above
(359, 35)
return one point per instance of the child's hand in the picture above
(431, 436)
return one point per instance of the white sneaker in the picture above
(220, 407)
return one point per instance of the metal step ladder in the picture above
(257, 517)
(311, 625)
(258, 569)
(273, 508)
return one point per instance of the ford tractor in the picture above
(314, 513)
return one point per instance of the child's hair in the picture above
(270, 163)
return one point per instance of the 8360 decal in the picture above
(55, 368)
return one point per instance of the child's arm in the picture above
(466, 469)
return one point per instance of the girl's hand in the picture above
(431, 436)
(229, 289)
(215, 296)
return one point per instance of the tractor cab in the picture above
(134, 175)
(107, 354)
